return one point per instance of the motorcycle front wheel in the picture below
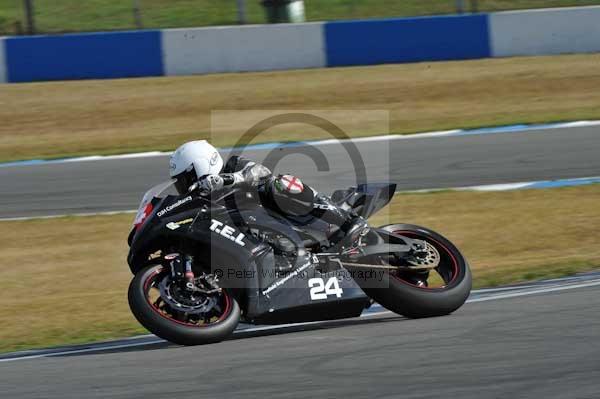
(411, 294)
(170, 313)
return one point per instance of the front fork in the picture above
(182, 273)
(181, 267)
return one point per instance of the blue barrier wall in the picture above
(285, 46)
(406, 40)
(84, 56)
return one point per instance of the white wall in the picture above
(2, 62)
(548, 31)
(246, 48)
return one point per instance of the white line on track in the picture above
(525, 291)
(534, 291)
(489, 187)
(515, 186)
(387, 137)
(19, 219)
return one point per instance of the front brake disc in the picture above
(182, 301)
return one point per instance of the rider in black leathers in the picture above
(284, 193)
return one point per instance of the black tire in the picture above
(411, 301)
(169, 329)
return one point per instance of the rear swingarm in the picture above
(417, 254)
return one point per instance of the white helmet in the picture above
(193, 160)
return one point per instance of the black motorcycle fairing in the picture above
(198, 236)
(276, 298)
(164, 208)
(141, 237)
(289, 301)
(139, 230)
(188, 226)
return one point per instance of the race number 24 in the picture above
(320, 289)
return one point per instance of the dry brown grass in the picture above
(513, 235)
(65, 280)
(112, 116)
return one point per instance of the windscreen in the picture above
(155, 192)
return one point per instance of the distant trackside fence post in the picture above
(29, 16)
(137, 14)
(461, 6)
(241, 11)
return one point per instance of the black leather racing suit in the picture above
(293, 199)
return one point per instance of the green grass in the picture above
(91, 15)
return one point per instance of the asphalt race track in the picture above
(118, 184)
(536, 346)
(537, 340)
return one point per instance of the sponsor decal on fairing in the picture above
(287, 278)
(227, 232)
(176, 225)
(173, 206)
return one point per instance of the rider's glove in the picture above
(232, 179)
(210, 183)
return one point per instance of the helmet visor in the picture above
(184, 180)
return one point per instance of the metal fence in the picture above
(59, 16)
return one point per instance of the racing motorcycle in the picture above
(201, 265)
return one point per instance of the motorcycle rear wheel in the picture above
(176, 327)
(402, 296)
